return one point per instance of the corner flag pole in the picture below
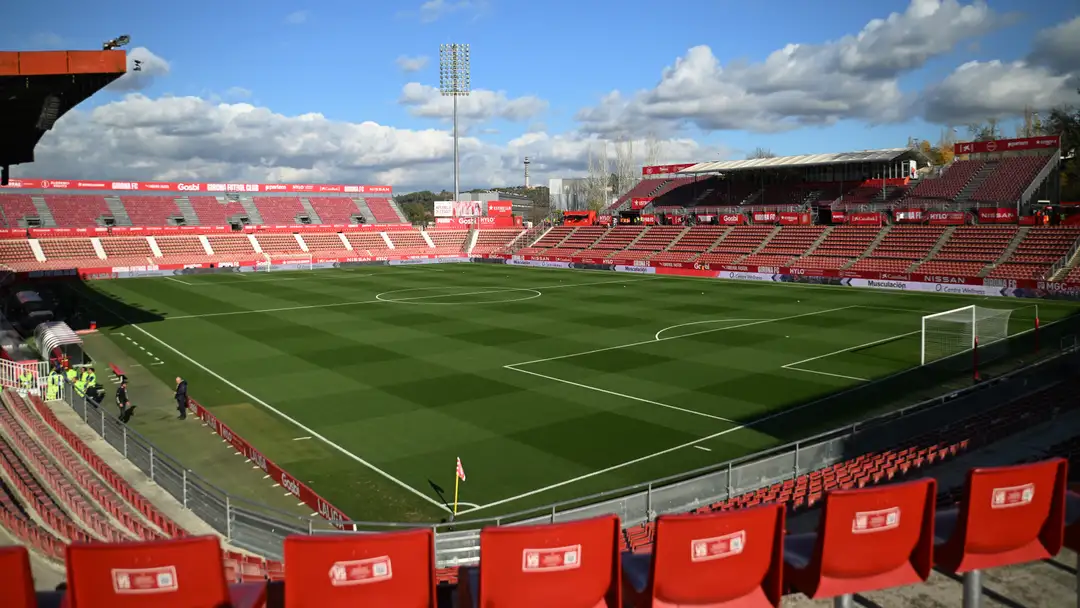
(459, 476)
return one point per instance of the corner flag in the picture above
(459, 476)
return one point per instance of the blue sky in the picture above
(340, 60)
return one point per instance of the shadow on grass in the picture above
(79, 304)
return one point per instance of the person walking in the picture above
(181, 397)
(55, 383)
(126, 409)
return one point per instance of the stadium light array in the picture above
(454, 82)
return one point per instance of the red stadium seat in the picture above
(569, 565)
(869, 539)
(723, 559)
(17, 590)
(392, 569)
(183, 573)
(1007, 515)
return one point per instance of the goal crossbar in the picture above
(959, 330)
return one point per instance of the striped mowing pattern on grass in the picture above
(598, 382)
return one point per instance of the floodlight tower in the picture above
(454, 82)
(527, 163)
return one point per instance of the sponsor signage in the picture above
(1001, 215)
(195, 187)
(458, 209)
(764, 217)
(665, 169)
(732, 219)
(913, 216)
(705, 218)
(290, 483)
(639, 203)
(864, 219)
(500, 208)
(1007, 145)
(838, 217)
(648, 219)
(793, 219)
(950, 218)
(469, 222)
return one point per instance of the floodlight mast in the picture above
(454, 82)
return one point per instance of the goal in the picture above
(285, 261)
(961, 330)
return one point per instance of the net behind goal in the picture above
(957, 331)
(284, 261)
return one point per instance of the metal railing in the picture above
(243, 523)
(1064, 261)
(247, 524)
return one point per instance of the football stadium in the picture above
(738, 383)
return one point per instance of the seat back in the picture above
(17, 591)
(391, 569)
(1009, 515)
(570, 565)
(718, 558)
(875, 538)
(178, 573)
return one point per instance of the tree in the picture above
(1030, 124)
(415, 212)
(1065, 121)
(654, 150)
(760, 152)
(946, 152)
(598, 180)
(987, 130)
(625, 174)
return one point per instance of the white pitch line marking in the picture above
(178, 281)
(301, 438)
(294, 421)
(623, 395)
(694, 333)
(795, 366)
(701, 447)
(276, 485)
(657, 336)
(376, 301)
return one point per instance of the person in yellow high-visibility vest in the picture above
(56, 381)
(72, 375)
(80, 385)
(26, 379)
(89, 377)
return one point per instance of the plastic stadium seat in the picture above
(17, 590)
(184, 573)
(868, 539)
(569, 565)
(1007, 515)
(392, 569)
(722, 559)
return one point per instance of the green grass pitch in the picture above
(549, 384)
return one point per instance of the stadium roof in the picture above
(37, 88)
(802, 160)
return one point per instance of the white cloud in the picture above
(151, 67)
(190, 138)
(976, 90)
(433, 10)
(480, 105)
(47, 40)
(297, 17)
(854, 77)
(411, 64)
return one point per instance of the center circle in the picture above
(473, 297)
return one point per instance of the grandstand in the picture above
(365, 368)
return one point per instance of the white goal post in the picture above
(297, 261)
(960, 330)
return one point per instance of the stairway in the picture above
(818, 242)
(186, 210)
(944, 238)
(120, 216)
(873, 245)
(1017, 238)
(361, 204)
(43, 211)
(1073, 262)
(254, 217)
(310, 211)
(765, 243)
(976, 181)
(398, 211)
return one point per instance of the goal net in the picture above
(284, 261)
(957, 331)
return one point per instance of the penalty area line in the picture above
(795, 366)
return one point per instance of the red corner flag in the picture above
(460, 470)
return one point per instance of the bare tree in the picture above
(625, 177)
(1030, 125)
(599, 176)
(945, 145)
(760, 152)
(985, 131)
(654, 150)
